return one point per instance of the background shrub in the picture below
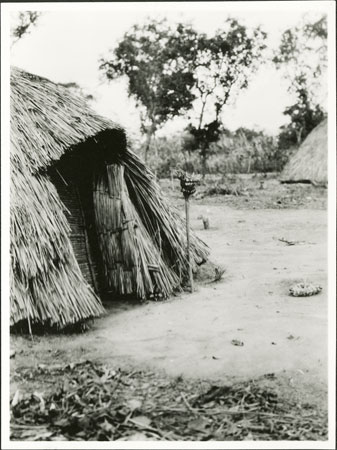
(242, 151)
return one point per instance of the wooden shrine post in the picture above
(187, 185)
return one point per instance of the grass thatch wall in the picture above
(310, 162)
(48, 122)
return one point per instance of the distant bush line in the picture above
(242, 151)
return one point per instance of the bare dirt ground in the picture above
(193, 335)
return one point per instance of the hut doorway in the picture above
(115, 252)
(82, 234)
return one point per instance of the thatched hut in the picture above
(310, 162)
(88, 220)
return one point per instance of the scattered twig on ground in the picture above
(290, 242)
(87, 401)
(189, 407)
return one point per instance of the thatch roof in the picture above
(47, 122)
(310, 162)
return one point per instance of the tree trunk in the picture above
(203, 162)
(249, 163)
(149, 135)
(156, 157)
(299, 135)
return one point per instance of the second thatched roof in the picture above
(310, 162)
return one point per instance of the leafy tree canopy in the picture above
(223, 64)
(153, 56)
(174, 69)
(304, 117)
(302, 55)
(22, 24)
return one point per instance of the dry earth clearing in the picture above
(191, 337)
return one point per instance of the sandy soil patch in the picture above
(192, 334)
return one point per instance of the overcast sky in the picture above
(67, 43)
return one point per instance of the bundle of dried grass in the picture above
(133, 263)
(310, 162)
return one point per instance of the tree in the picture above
(23, 24)
(304, 117)
(223, 65)
(155, 60)
(303, 50)
(302, 55)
